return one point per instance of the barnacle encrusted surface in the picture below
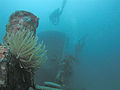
(23, 45)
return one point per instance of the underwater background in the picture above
(97, 67)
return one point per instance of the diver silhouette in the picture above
(79, 46)
(55, 15)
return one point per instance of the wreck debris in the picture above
(52, 84)
(49, 86)
(65, 70)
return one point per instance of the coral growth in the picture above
(22, 45)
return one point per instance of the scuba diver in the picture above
(79, 46)
(55, 15)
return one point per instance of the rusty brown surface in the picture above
(21, 20)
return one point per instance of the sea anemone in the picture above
(23, 45)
